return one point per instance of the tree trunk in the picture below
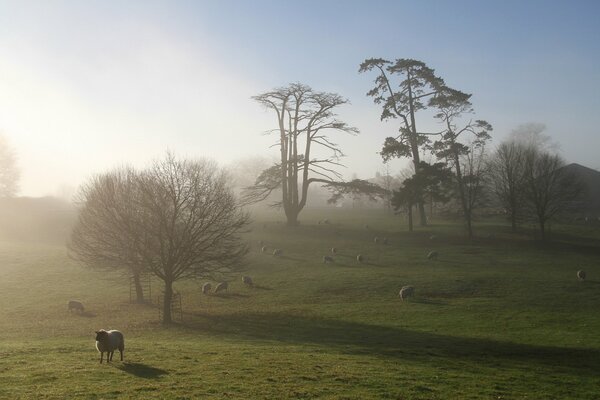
(513, 221)
(139, 291)
(469, 225)
(292, 216)
(543, 230)
(410, 218)
(168, 298)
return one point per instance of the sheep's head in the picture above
(101, 335)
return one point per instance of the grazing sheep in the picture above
(325, 221)
(333, 250)
(75, 305)
(406, 291)
(109, 341)
(581, 275)
(433, 255)
(360, 258)
(263, 249)
(247, 281)
(327, 259)
(277, 252)
(376, 239)
(206, 288)
(221, 287)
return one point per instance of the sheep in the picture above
(327, 259)
(376, 239)
(277, 252)
(109, 341)
(221, 286)
(247, 281)
(433, 255)
(206, 288)
(75, 305)
(325, 221)
(581, 275)
(360, 258)
(333, 250)
(406, 291)
(263, 249)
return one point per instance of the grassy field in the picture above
(499, 318)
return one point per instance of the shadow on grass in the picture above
(87, 314)
(230, 295)
(357, 338)
(141, 370)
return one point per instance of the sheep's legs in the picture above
(111, 353)
(121, 351)
(101, 356)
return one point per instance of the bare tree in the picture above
(417, 85)
(549, 188)
(304, 118)
(9, 172)
(106, 232)
(182, 222)
(507, 173)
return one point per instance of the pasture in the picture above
(502, 317)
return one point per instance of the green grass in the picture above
(499, 318)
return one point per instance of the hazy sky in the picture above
(87, 85)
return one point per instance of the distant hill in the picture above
(40, 219)
(590, 178)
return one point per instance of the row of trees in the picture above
(176, 219)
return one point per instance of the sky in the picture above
(89, 85)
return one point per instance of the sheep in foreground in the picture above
(247, 281)
(221, 287)
(109, 341)
(277, 252)
(327, 259)
(581, 275)
(333, 250)
(433, 255)
(206, 288)
(360, 258)
(75, 305)
(406, 291)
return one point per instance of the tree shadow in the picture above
(141, 370)
(230, 295)
(87, 314)
(397, 343)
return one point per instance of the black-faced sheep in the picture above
(581, 275)
(433, 255)
(327, 259)
(75, 305)
(333, 250)
(376, 239)
(360, 258)
(263, 249)
(221, 287)
(109, 341)
(206, 288)
(277, 252)
(247, 281)
(406, 291)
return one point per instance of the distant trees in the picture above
(177, 219)
(9, 172)
(304, 119)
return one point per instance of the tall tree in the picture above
(417, 85)
(9, 172)
(463, 147)
(304, 119)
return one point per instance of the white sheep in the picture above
(221, 287)
(247, 280)
(277, 252)
(433, 255)
(581, 275)
(75, 305)
(360, 258)
(327, 259)
(406, 291)
(206, 288)
(109, 341)
(333, 250)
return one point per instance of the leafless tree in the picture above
(507, 174)
(9, 172)
(185, 223)
(549, 189)
(106, 233)
(304, 119)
